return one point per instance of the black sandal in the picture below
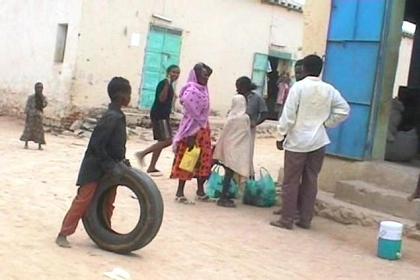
(226, 203)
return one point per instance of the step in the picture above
(390, 175)
(373, 197)
(349, 214)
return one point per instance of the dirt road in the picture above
(195, 242)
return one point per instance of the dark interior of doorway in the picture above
(278, 66)
(404, 125)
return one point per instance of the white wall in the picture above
(222, 33)
(316, 23)
(28, 36)
(403, 68)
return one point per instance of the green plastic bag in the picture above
(215, 185)
(261, 193)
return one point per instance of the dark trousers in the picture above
(300, 183)
(226, 182)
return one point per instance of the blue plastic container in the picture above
(389, 240)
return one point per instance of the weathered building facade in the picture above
(75, 47)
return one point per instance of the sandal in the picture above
(413, 196)
(184, 200)
(203, 198)
(226, 203)
(155, 173)
(281, 224)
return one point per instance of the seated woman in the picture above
(233, 148)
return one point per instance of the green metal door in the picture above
(259, 71)
(163, 49)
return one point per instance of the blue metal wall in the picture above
(353, 56)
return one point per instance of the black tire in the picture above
(151, 205)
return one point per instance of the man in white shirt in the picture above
(311, 107)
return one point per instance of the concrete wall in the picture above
(401, 77)
(223, 33)
(387, 175)
(316, 22)
(28, 37)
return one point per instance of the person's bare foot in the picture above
(140, 158)
(413, 196)
(62, 241)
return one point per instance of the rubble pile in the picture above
(138, 125)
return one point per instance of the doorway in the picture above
(268, 71)
(162, 50)
(403, 138)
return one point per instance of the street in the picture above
(199, 241)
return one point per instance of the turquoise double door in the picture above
(163, 49)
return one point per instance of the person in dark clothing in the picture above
(299, 75)
(161, 109)
(34, 110)
(105, 154)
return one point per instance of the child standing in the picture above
(34, 130)
(105, 154)
(233, 149)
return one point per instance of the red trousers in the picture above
(80, 205)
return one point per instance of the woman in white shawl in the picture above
(233, 149)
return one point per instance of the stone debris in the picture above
(343, 215)
(76, 125)
(139, 125)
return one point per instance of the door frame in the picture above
(389, 52)
(274, 53)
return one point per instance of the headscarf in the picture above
(233, 147)
(238, 108)
(195, 100)
(39, 99)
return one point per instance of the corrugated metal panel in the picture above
(353, 47)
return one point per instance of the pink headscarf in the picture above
(195, 100)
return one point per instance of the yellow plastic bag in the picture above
(190, 158)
